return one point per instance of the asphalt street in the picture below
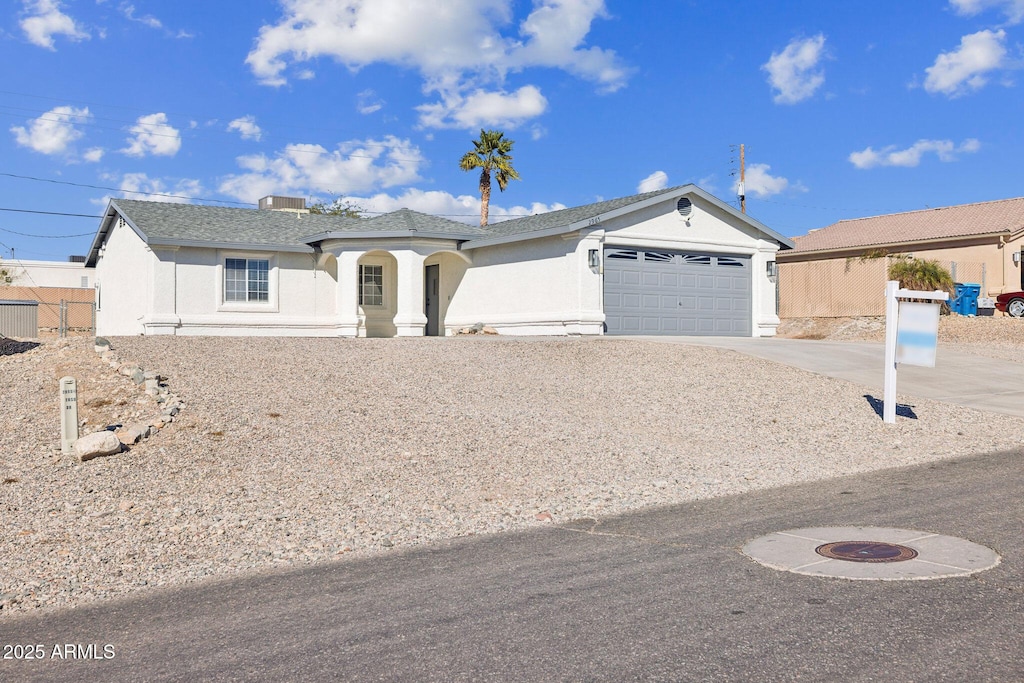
(663, 594)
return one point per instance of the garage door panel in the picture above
(651, 302)
(677, 293)
(630, 300)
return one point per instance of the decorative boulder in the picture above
(94, 445)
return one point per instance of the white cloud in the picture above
(368, 102)
(141, 186)
(482, 109)
(760, 183)
(463, 52)
(128, 10)
(137, 185)
(709, 184)
(945, 150)
(793, 72)
(554, 34)
(462, 208)
(93, 154)
(656, 181)
(44, 20)
(1012, 9)
(54, 131)
(962, 70)
(413, 33)
(356, 166)
(151, 134)
(246, 127)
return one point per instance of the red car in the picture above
(1011, 303)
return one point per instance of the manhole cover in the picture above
(866, 551)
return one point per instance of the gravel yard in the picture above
(999, 337)
(295, 451)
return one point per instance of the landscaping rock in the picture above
(97, 444)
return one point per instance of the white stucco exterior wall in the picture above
(123, 283)
(50, 274)
(529, 287)
(301, 297)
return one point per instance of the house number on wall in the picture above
(594, 221)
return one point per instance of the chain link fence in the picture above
(77, 318)
(839, 288)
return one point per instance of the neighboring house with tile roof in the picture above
(827, 275)
(674, 261)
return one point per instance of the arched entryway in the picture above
(442, 273)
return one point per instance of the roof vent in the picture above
(276, 203)
(684, 206)
(76, 259)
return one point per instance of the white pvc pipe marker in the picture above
(68, 413)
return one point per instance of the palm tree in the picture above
(492, 152)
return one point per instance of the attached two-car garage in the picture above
(659, 292)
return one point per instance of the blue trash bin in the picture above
(965, 298)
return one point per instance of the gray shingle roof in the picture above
(166, 223)
(407, 219)
(563, 217)
(162, 221)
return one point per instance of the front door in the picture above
(432, 305)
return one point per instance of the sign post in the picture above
(911, 336)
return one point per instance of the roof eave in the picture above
(385, 234)
(588, 221)
(905, 243)
(241, 246)
(104, 230)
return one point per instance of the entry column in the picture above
(348, 293)
(410, 320)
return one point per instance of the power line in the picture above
(50, 213)
(197, 199)
(119, 189)
(49, 237)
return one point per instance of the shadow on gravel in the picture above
(902, 410)
(9, 347)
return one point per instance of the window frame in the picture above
(250, 285)
(270, 283)
(362, 284)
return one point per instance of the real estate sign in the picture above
(917, 333)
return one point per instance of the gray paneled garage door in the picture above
(673, 292)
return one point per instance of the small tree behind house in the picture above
(339, 206)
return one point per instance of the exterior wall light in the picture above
(1016, 257)
(772, 269)
(594, 258)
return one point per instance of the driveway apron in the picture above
(977, 382)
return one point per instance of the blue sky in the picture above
(846, 109)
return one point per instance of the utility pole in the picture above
(741, 190)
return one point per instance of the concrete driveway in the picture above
(987, 384)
